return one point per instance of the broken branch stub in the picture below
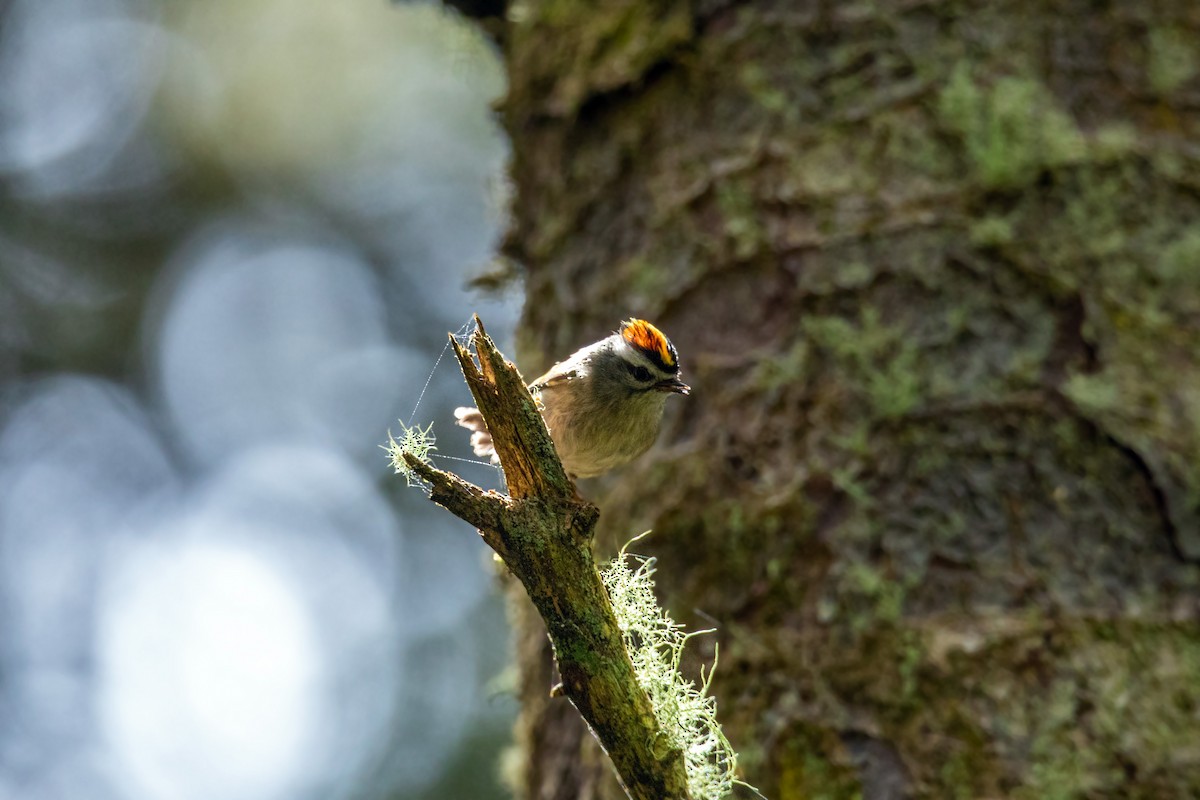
(519, 434)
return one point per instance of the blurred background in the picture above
(233, 236)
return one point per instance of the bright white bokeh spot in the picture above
(247, 640)
(324, 521)
(77, 459)
(264, 340)
(211, 674)
(76, 81)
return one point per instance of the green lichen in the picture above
(992, 231)
(1058, 770)
(1011, 128)
(912, 143)
(783, 370)
(880, 359)
(811, 768)
(1113, 141)
(647, 281)
(1096, 394)
(1178, 269)
(742, 225)
(758, 84)
(827, 168)
(687, 714)
(1173, 58)
(414, 440)
(1094, 217)
(912, 657)
(1124, 696)
(956, 776)
(870, 597)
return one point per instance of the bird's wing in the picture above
(557, 376)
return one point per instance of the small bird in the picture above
(604, 404)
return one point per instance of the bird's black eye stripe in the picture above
(639, 373)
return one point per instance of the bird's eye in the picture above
(640, 374)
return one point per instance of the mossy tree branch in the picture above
(543, 532)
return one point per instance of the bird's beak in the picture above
(673, 385)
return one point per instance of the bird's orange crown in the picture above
(651, 341)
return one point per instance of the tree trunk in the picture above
(933, 270)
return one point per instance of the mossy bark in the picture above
(933, 269)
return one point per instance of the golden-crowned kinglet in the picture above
(604, 404)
